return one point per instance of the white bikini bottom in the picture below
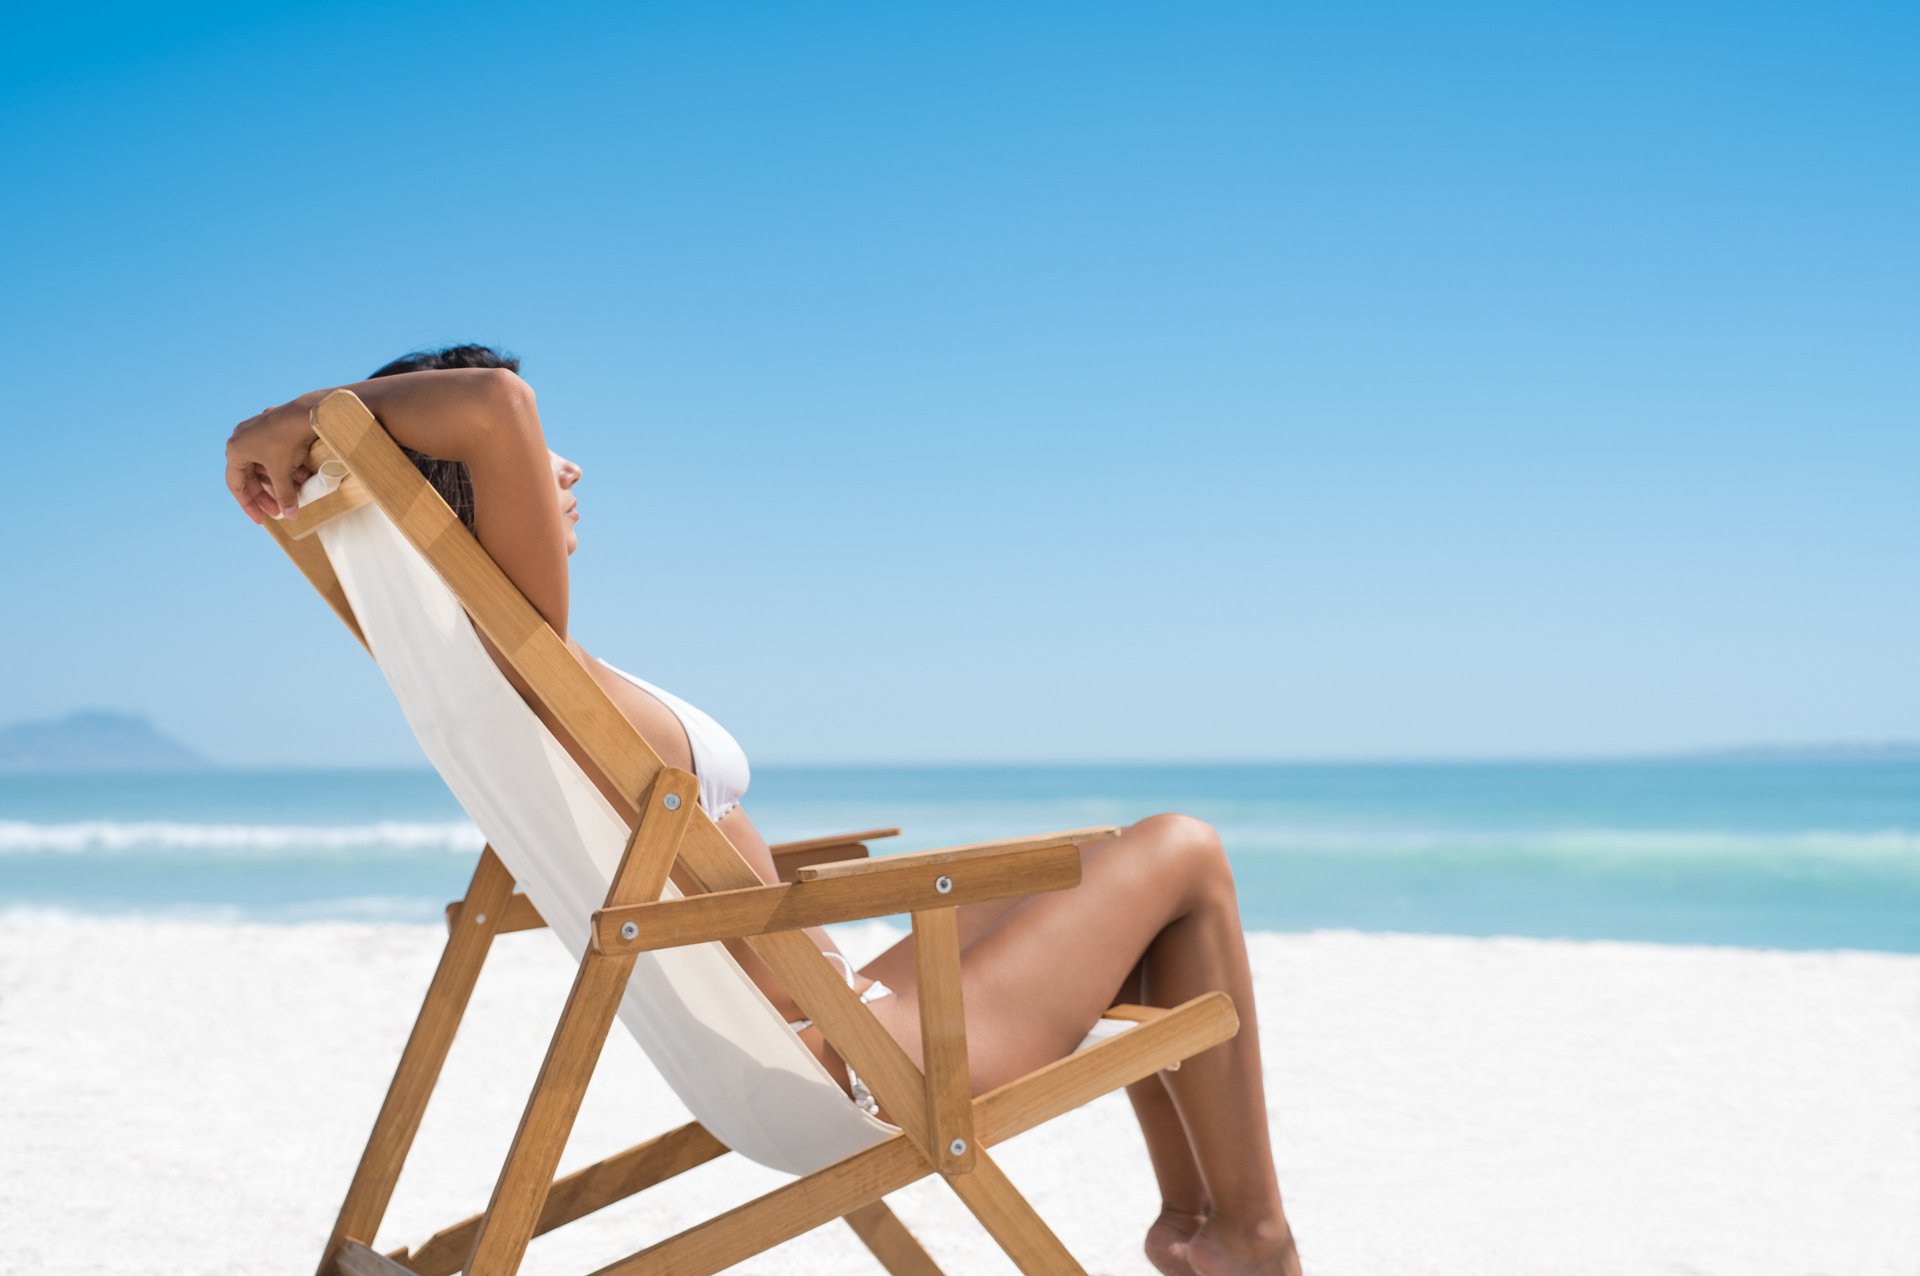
(875, 991)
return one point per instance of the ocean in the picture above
(1754, 852)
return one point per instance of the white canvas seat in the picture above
(717, 1041)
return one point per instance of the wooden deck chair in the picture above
(413, 585)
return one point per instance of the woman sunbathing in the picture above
(1154, 921)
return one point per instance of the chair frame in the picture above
(943, 1129)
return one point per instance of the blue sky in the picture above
(1008, 382)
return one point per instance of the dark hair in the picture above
(449, 478)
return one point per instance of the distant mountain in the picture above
(93, 740)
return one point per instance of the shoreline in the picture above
(1438, 1104)
(246, 918)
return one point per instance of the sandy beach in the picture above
(189, 1097)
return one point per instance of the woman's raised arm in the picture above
(482, 417)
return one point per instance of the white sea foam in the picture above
(19, 837)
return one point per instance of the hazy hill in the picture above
(93, 740)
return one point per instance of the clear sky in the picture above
(1008, 382)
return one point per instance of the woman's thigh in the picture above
(895, 967)
(1037, 979)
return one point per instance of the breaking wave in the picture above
(115, 836)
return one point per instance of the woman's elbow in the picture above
(505, 391)
(507, 404)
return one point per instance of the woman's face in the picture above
(565, 475)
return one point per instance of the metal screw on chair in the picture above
(481, 920)
(671, 802)
(629, 930)
(958, 1147)
(943, 884)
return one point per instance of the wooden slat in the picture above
(315, 514)
(313, 563)
(790, 857)
(670, 808)
(787, 867)
(519, 914)
(780, 1215)
(953, 855)
(898, 1250)
(582, 1192)
(1011, 1220)
(758, 910)
(420, 1062)
(943, 1038)
(520, 1194)
(830, 841)
(356, 1259)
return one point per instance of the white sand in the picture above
(191, 1098)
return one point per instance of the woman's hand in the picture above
(267, 458)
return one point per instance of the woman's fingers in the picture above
(286, 490)
(243, 481)
(267, 463)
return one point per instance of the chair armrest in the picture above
(790, 857)
(881, 887)
(952, 854)
(831, 840)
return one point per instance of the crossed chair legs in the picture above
(947, 1134)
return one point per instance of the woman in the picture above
(1154, 920)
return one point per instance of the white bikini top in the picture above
(719, 763)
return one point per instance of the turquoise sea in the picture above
(1752, 851)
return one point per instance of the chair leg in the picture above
(1006, 1214)
(520, 1194)
(898, 1250)
(426, 1051)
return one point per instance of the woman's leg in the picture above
(1159, 895)
(1183, 1192)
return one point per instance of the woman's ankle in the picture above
(1261, 1231)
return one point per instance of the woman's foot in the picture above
(1262, 1248)
(1167, 1241)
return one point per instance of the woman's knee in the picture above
(1193, 845)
